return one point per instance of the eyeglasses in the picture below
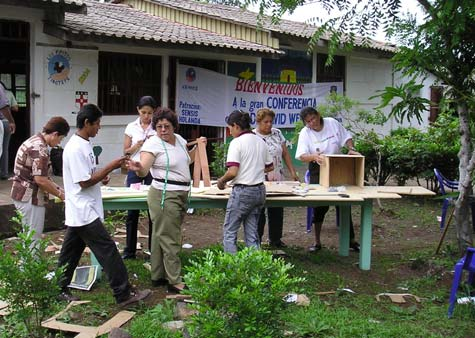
(164, 126)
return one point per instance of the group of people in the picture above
(156, 155)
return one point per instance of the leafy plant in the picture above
(150, 324)
(238, 295)
(112, 218)
(24, 283)
(218, 165)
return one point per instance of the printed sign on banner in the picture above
(205, 97)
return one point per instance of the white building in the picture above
(58, 54)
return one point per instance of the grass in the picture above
(405, 234)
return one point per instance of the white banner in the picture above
(205, 97)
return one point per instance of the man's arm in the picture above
(101, 174)
(49, 186)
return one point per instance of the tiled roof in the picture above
(68, 2)
(122, 21)
(76, 6)
(246, 17)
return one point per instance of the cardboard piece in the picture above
(397, 298)
(342, 170)
(87, 331)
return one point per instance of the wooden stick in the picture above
(445, 231)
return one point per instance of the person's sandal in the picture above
(315, 248)
(159, 282)
(176, 288)
(135, 297)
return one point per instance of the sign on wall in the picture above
(205, 97)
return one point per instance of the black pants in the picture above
(275, 224)
(131, 224)
(320, 212)
(96, 237)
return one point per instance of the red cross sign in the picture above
(81, 98)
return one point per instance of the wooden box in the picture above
(342, 170)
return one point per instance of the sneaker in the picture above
(355, 246)
(135, 297)
(68, 296)
(315, 248)
(128, 256)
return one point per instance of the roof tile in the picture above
(124, 21)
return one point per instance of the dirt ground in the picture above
(398, 226)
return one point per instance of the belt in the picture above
(249, 185)
(172, 182)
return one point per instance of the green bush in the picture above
(24, 284)
(409, 153)
(218, 165)
(238, 295)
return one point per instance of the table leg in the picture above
(344, 231)
(365, 234)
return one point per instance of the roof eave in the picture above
(58, 32)
(67, 7)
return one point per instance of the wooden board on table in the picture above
(406, 190)
(121, 192)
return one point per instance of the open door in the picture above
(15, 74)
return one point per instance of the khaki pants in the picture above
(166, 233)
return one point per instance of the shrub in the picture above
(218, 165)
(238, 295)
(24, 284)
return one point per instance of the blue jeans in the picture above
(244, 206)
(131, 224)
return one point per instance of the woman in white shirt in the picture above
(322, 136)
(167, 158)
(136, 133)
(276, 144)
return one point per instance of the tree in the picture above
(443, 45)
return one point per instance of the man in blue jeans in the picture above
(85, 213)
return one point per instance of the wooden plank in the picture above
(197, 169)
(204, 164)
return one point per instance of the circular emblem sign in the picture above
(59, 67)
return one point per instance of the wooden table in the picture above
(120, 198)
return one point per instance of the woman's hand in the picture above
(353, 152)
(221, 184)
(202, 139)
(295, 176)
(134, 165)
(318, 158)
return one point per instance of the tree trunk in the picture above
(466, 162)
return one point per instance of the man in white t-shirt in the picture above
(85, 213)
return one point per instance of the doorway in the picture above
(15, 74)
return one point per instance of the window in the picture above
(242, 70)
(333, 73)
(294, 67)
(124, 78)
